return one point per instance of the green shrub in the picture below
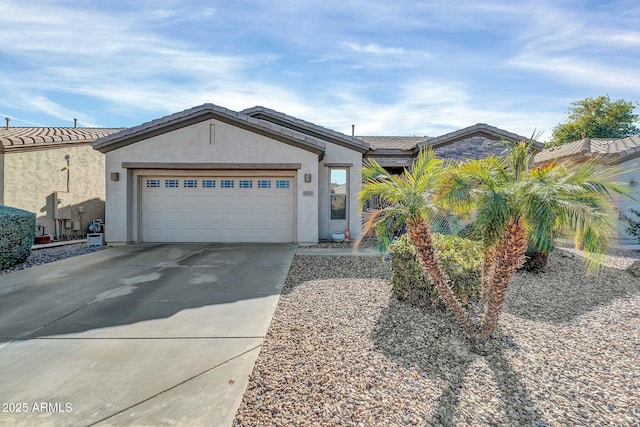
(470, 232)
(17, 231)
(461, 260)
(632, 225)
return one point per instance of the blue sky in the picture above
(391, 68)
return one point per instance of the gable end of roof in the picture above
(202, 113)
(479, 129)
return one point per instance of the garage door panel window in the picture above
(264, 183)
(283, 184)
(190, 183)
(245, 183)
(208, 183)
(171, 183)
(153, 183)
(227, 183)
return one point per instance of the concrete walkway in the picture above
(145, 335)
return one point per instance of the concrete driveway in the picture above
(148, 334)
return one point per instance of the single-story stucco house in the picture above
(210, 174)
(55, 173)
(622, 153)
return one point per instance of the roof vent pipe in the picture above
(353, 130)
(75, 123)
(7, 119)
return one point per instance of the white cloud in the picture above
(583, 72)
(375, 49)
(426, 107)
(116, 60)
(53, 109)
(625, 38)
(21, 120)
(386, 67)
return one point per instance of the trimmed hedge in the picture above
(461, 260)
(17, 231)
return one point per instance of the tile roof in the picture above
(478, 129)
(305, 127)
(626, 146)
(564, 150)
(600, 145)
(43, 137)
(611, 149)
(393, 142)
(201, 113)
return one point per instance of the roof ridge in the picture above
(300, 122)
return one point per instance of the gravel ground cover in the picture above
(56, 253)
(341, 351)
(367, 243)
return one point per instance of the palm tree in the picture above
(516, 207)
(512, 205)
(408, 200)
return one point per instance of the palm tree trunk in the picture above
(508, 256)
(421, 238)
(486, 273)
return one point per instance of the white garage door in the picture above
(217, 209)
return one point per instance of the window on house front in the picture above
(338, 193)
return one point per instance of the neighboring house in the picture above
(55, 173)
(209, 174)
(623, 153)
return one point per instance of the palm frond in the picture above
(408, 196)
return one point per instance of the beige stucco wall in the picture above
(1, 179)
(30, 177)
(193, 145)
(336, 154)
(630, 176)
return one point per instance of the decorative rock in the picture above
(634, 268)
(56, 253)
(341, 351)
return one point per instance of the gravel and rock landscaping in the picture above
(341, 351)
(51, 254)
